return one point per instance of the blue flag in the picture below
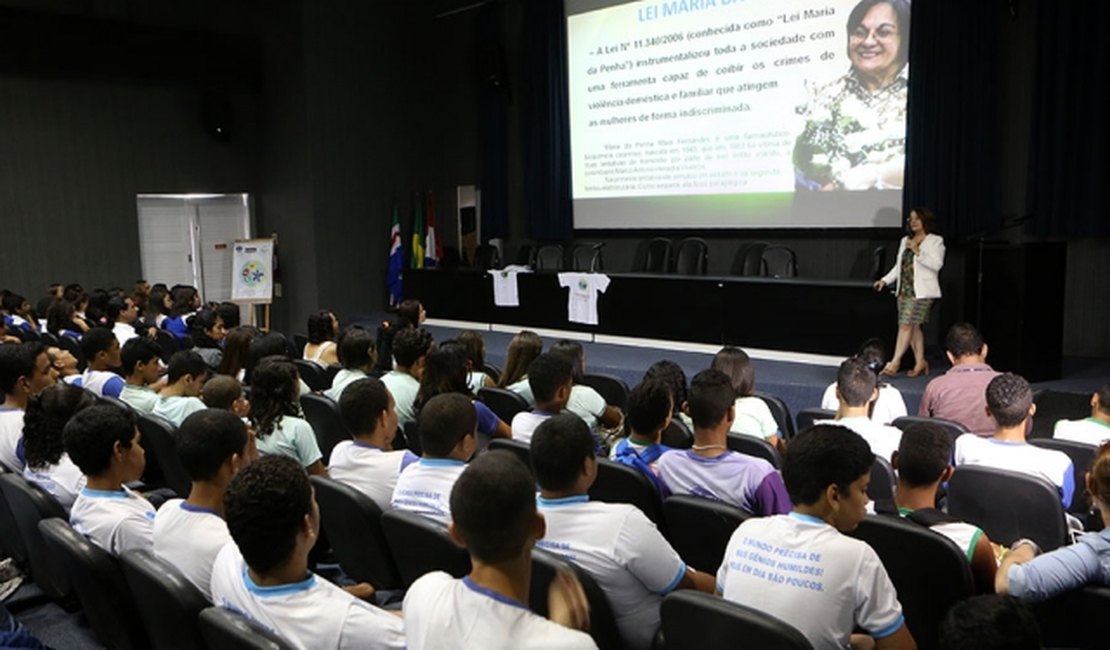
(393, 279)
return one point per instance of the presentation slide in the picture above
(737, 113)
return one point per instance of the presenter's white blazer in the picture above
(926, 267)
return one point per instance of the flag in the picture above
(396, 261)
(417, 259)
(433, 250)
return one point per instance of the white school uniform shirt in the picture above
(369, 469)
(62, 480)
(124, 332)
(586, 403)
(582, 298)
(443, 613)
(403, 387)
(524, 389)
(805, 572)
(11, 433)
(101, 382)
(140, 398)
(754, 418)
(176, 408)
(309, 614)
(965, 536)
(505, 292)
(476, 380)
(425, 487)
(883, 439)
(343, 378)
(115, 520)
(889, 405)
(190, 537)
(292, 437)
(1087, 431)
(1049, 464)
(524, 424)
(623, 551)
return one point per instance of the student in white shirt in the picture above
(25, 370)
(522, 350)
(801, 568)
(551, 377)
(445, 372)
(495, 518)
(649, 413)
(273, 518)
(122, 312)
(141, 368)
(226, 393)
(185, 378)
(753, 416)
(63, 362)
(410, 347)
(101, 349)
(357, 354)
(103, 442)
(368, 463)
(189, 533)
(585, 402)
(321, 349)
(856, 389)
(476, 376)
(449, 438)
(1094, 430)
(48, 465)
(889, 406)
(1010, 404)
(275, 414)
(614, 542)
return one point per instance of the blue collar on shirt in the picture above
(1007, 443)
(365, 445)
(9, 409)
(279, 590)
(565, 501)
(104, 494)
(188, 507)
(440, 462)
(478, 589)
(809, 519)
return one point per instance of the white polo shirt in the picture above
(883, 439)
(442, 613)
(116, 521)
(11, 433)
(1088, 431)
(63, 480)
(176, 408)
(623, 551)
(101, 382)
(343, 378)
(1049, 464)
(369, 469)
(524, 424)
(524, 389)
(403, 387)
(424, 487)
(805, 572)
(190, 537)
(309, 614)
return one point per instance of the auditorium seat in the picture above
(323, 414)
(806, 417)
(300, 341)
(412, 438)
(312, 374)
(29, 504)
(753, 446)
(223, 629)
(587, 258)
(603, 625)
(749, 259)
(954, 429)
(677, 435)
(353, 524)
(11, 542)
(699, 529)
(878, 263)
(98, 581)
(611, 387)
(780, 411)
(526, 255)
(1008, 506)
(658, 256)
(1054, 405)
(1082, 456)
(108, 400)
(691, 257)
(1076, 619)
(549, 257)
(617, 483)
(492, 371)
(168, 604)
(929, 572)
(421, 545)
(167, 343)
(515, 447)
(694, 620)
(778, 262)
(883, 480)
(158, 439)
(486, 257)
(503, 402)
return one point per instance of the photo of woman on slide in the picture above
(855, 126)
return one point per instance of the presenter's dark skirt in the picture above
(914, 311)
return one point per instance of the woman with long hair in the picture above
(445, 372)
(48, 465)
(275, 415)
(523, 349)
(321, 349)
(753, 416)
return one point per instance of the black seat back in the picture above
(323, 414)
(779, 262)
(421, 545)
(617, 483)
(693, 620)
(108, 400)
(515, 447)
(492, 371)
(159, 440)
(353, 523)
(699, 529)
(883, 480)
(603, 625)
(312, 374)
(300, 341)
(503, 402)
(1054, 405)
(98, 581)
(657, 256)
(749, 258)
(587, 258)
(412, 438)
(754, 446)
(692, 257)
(11, 542)
(223, 629)
(486, 256)
(167, 343)
(780, 411)
(168, 603)
(611, 387)
(1075, 619)
(1008, 506)
(677, 435)
(549, 257)
(929, 572)
(29, 504)
(953, 428)
(1081, 456)
(806, 417)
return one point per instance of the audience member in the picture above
(830, 584)
(649, 413)
(226, 393)
(24, 371)
(141, 367)
(495, 518)
(102, 355)
(323, 328)
(550, 380)
(185, 302)
(62, 320)
(19, 314)
(959, 394)
(48, 465)
(237, 345)
(1010, 404)
(448, 437)
(752, 415)
(158, 305)
(273, 518)
(356, 353)
(445, 370)
(889, 406)
(674, 378)
(522, 350)
(1094, 430)
(184, 380)
(207, 331)
(856, 390)
(275, 414)
(410, 349)
(709, 469)
(63, 362)
(230, 314)
(476, 377)
(122, 314)
(103, 442)
(585, 402)
(989, 622)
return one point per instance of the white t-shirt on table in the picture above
(582, 300)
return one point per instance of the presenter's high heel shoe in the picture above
(919, 370)
(889, 370)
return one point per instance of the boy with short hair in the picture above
(495, 518)
(103, 442)
(857, 387)
(1093, 430)
(142, 366)
(410, 347)
(649, 412)
(64, 363)
(356, 353)
(368, 463)
(186, 376)
(189, 533)
(273, 518)
(615, 542)
(24, 371)
(224, 392)
(448, 434)
(102, 355)
(551, 377)
(800, 567)
(709, 469)
(122, 312)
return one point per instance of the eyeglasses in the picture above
(882, 32)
